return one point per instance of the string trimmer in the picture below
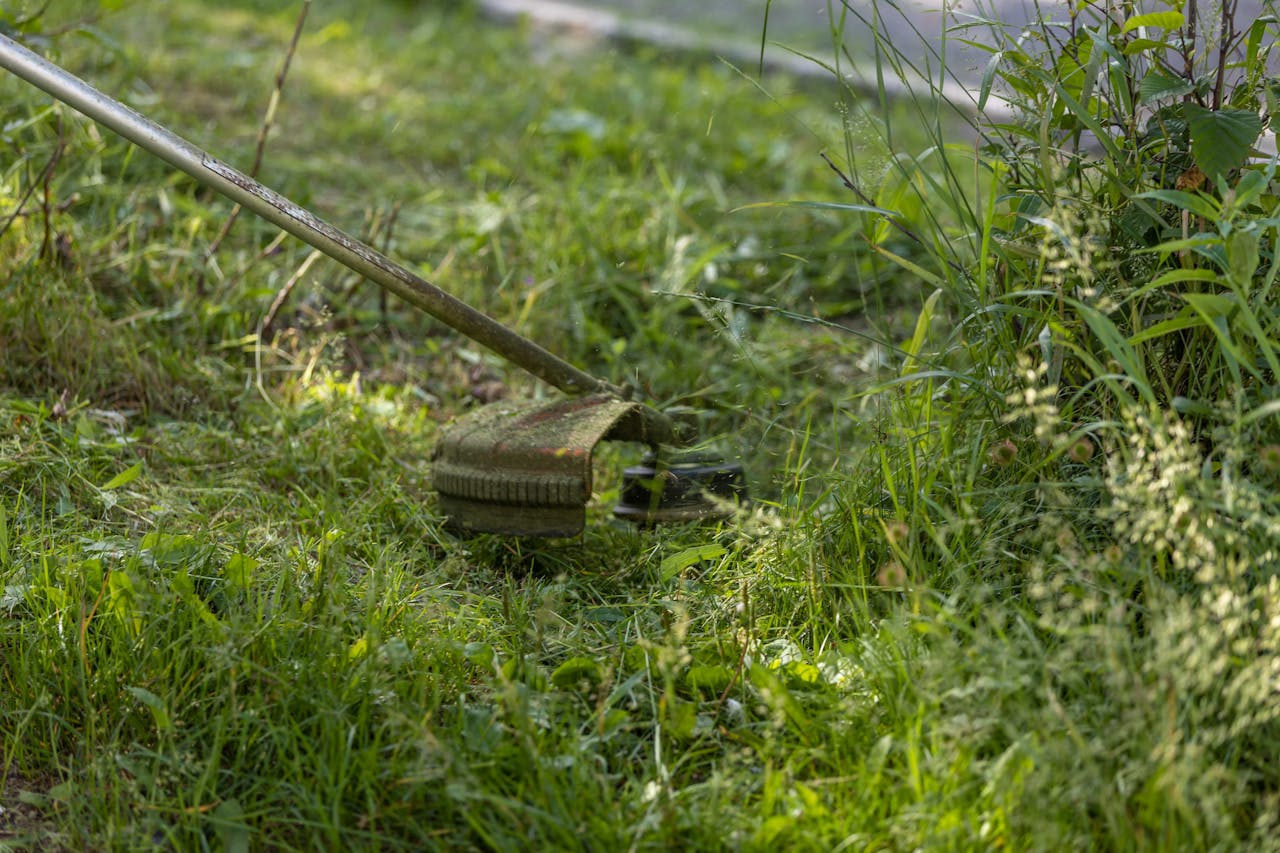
(519, 469)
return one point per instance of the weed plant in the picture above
(1071, 508)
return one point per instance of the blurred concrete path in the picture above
(799, 31)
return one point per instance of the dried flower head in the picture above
(896, 531)
(1002, 453)
(1269, 458)
(892, 575)
(1082, 450)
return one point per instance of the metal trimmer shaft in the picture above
(304, 225)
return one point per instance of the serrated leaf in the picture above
(1157, 86)
(1221, 139)
(1164, 20)
(124, 478)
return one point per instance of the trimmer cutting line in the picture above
(520, 469)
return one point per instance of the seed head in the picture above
(1081, 451)
(892, 575)
(1003, 453)
(1269, 458)
(896, 531)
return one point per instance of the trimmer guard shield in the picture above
(524, 469)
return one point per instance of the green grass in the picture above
(230, 611)
(1003, 588)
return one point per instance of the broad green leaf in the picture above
(1184, 320)
(121, 601)
(229, 822)
(924, 322)
(169, 548)
(1195, 408)
(181, 584)
(679, 717)
(799, 673)
(1074, 66)
(240, 570)
(1242, 257)
(575, 670)
(1138, 45)
(480, 654)
(1157, 85)
(988, 78)
(1212, 305)
(155, 704)
(710, 677)
(1198, 204)
(773, 833)
(681, 560)
(1253, 183)
(1164, 20)
(1221, 139)
(63, 791)
(1180, 275)
(124, 478)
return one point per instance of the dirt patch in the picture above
(23, 825)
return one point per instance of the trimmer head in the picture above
(682, 487)
(524, 469)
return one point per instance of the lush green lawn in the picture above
(966, 612)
